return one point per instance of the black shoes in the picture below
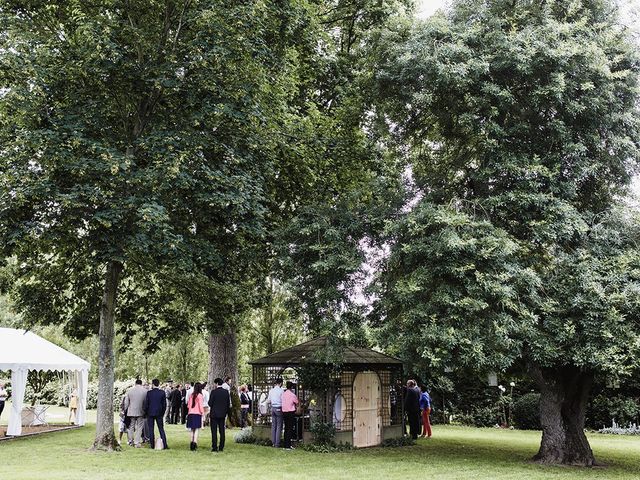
(193, 446)
(214, 449)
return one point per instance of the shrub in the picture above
(327, 448)
(323, 433)
(604, 410)
(526, 412)
(480, 417)
(245, 436)
(398, 442)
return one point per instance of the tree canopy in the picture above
(523, 128)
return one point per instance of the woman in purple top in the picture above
(425, 407)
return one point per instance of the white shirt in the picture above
(186, 397)
(275, 397)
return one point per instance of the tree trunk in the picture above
(563, 403)
(105, 436)
(223, 362)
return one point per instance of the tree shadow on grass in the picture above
(501, 457)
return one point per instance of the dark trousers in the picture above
(244, 414)
(217, 425)
(1, 407)
(160, 421)
(414, 424)
(176, 410)
(185, 409)
(289, 423)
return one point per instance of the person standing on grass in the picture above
(245, 405)
(227, 386)
(205, 404)
(275, 400)
(289, 403)
(168, 387)
(124, 423)
(185, 407)
(219, 405)
(195, 410)
(156, 408)
(73, 406)
(425, 407)
(3, 397)
(412, 409)
(176, 404)
(134, 406)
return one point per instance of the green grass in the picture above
(453, 453)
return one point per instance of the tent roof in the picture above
(304, 352)
(26, 350)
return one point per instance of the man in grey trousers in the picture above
(275, 400)
(134, 406)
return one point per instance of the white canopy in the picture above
(21, 351)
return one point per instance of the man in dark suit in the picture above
(156, 406)
(176, 404)
(219, 401)
(412, 408)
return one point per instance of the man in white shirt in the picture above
(227, 386)
(275, 400)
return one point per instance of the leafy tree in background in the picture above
(131, 159)
(344, 182)
(523, 129)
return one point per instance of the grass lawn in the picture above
(453, 453)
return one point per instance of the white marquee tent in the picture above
(22, 351)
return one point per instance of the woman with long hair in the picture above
(194, 414)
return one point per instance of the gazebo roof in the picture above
(305, 351)
(26, 350)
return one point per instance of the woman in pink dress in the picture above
(195, 410)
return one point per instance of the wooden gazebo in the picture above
(362, 398)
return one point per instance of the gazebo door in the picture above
(367, 404)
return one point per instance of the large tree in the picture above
(130, 158)
(522, 130)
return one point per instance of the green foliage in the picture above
(603, 410)
(398, 442)
(483, 416)
(517, 248)
(323, 433)
(245, 435)
(326, 448)
(521, 124)
(526, 412)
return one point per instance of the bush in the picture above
(604, 410)
(245, 436)
(323, 433)
(327, 448)
(398, 442)
(526, 412)
(480, 417)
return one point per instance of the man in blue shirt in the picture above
(275, 400)
(425, 407)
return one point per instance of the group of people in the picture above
(283, 403)
(144, 407)
(417, 408)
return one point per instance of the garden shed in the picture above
(361, 395)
